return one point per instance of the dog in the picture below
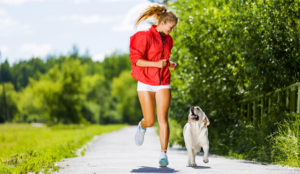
(195, 135)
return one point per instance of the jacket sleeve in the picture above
(138, 46)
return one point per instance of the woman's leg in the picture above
(162, 104)
(147, 101)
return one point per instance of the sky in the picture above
(37, 28)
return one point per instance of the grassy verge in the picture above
(286, 143)
(24, 148)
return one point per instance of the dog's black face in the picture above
(195, 111)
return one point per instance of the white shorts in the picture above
(153, 88)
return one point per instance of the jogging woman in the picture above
(149, 54)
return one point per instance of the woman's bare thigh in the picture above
(147, 101)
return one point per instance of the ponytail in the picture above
(159, 12)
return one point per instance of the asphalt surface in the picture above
(116, 153)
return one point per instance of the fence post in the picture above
(287, 98)
(242, 111)
(298, 102)
(254, 112)
(262, 110)
(248, 111)
(269, 104)
(292, 100)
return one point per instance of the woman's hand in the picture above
(162, 63)
(173, 65)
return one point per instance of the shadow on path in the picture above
(145, 169)
(201, 167)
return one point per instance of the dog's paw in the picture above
(205, 160)
(191, 165)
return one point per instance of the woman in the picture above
(149, 53)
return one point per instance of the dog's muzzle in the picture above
(194, 117)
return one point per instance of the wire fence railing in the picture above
(270, 106)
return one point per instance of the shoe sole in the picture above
(162, 165)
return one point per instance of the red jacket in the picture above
(149, 46)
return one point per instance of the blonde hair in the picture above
(159, 12)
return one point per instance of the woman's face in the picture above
(167, 27)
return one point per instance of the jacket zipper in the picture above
(160, 59)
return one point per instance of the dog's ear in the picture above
(206, 120)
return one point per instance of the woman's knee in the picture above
(163, 122)
(148, 122)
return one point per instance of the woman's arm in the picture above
(146, 63)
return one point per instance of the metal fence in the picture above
(270, 106)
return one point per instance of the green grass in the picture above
(24, 148)
(286, 143)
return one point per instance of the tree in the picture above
(226, 50)
(5, 76)
(10, 103)
(114, 64)
(124, 91)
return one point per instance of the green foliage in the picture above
(21, 72)
(225, 50)
(176, 132)
(5, 73)
(70, 98)
(96, 94)
(114, 64)
(57, 95)
(66, 89)
(124, 91)
(10, 109)
(24, 148)
(286, 142)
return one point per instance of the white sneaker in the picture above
(139, 136)
(163, 161)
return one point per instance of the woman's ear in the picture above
(163, 22)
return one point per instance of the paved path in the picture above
(116, 153)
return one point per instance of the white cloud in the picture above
(3, 51)
(101, 1)
(130, 18)
(2, 12)
(3, 48)
(21, 2)
(100, 56)
(114, 0)
(37, 50)
(18, 2)
(89, 19)
(81, 1)
(5, 20)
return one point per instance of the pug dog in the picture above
(195, 134)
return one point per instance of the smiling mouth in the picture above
(194, 117)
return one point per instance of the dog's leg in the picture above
(194, 157)
(205, 150)
(191, 162)
(191, 158)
